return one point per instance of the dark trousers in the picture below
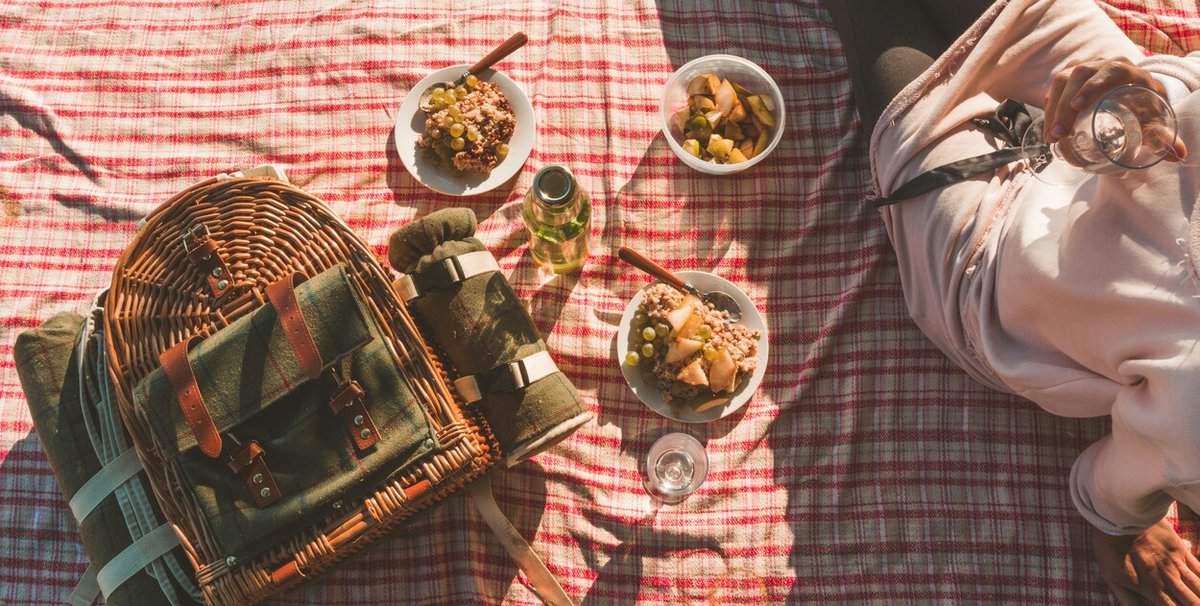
(888, 43)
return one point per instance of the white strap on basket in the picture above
(138, 555)
(524, 372)
(456, 268)
(544, 584)
(98, 487)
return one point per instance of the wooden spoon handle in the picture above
(636, 259)
(514, 42)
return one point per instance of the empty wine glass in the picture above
(1131, 127)
(675, 467)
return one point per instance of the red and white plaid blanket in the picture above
(867, 469)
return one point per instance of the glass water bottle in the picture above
(558, 214)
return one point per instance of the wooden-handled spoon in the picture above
(717, 299)
(505, 49)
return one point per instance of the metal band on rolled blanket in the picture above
(512, 376)
(446, 273)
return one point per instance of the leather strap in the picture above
(86, 590)
(506, 377)
(178, 368)
(545, 585)
(347, 404)
(136, 556)
(282, 295)
(448, 272)
(98, 487)
(205, 254)
(251, 467)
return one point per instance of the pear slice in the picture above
(719, 146)
(727, 99)
(733, 131)
(679, 316)
(702, 85)
(761, 143)
(722, 372)
(735, 156)
(701, 104)
(679, 119)
(692, 146)
(693, 374)
(713, 403)
(688, 328)
(759, 107)
(739, 89)
(738, 113)
(714, 117)
(682, 349)
(747, 147)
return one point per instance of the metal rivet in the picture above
(428, 442)
(264, 493)
(231, 561)
(364, 434)
(216, 272)
(257, 479)
(358, 420)
(222, 284)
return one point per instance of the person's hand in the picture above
(1155, 567)
(1079, 87)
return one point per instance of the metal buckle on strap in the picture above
(513, 376)
(446, 273)
(192, 237)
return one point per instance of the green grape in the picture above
(451, 96)
(457, 143)
(445, 121)
(710, 353)
(662, 329)
(648, 350)
(648, 333)
(456, 129)
(472, 134)
(461, 92)
(502, 150)
(454, 112)
(632, 358)
(472, 80)
(436, 133)
(439, 92)
(704, 332)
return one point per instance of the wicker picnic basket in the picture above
(204, 260)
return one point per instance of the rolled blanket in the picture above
(48, 367)
(480, 326)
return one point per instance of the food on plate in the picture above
(690, 350)
(467, 128)
(723, 122)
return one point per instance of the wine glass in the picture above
(675, 467)
(1131, 127)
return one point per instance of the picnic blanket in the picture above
(867, 469)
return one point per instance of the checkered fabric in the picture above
(867, 469)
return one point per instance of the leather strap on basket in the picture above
(178, 368)
(347, 404)
(282, 295)
(204, 253)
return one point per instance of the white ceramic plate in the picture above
(410, 123)
(644, 387)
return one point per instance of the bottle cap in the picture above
(554, 185)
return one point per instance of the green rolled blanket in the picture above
(480, 325)
(47, 361)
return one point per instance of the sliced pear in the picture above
(679, 316)
(726, 99)
(689, 328)
(692, 147)
(714, 117)
(747, 147)
(714, 83)
(761, 143)
(739, 89)
(701, 104)
(713, 403)
(702, 85)
(682, 349)
(738, 114)
(759, 107)
(769, 102)
(679, 119)
(719, 146)
(722, 372)
(693, 374)
(735, 156)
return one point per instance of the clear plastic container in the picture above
(737, 69)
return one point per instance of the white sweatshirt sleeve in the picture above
(1180, 75)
